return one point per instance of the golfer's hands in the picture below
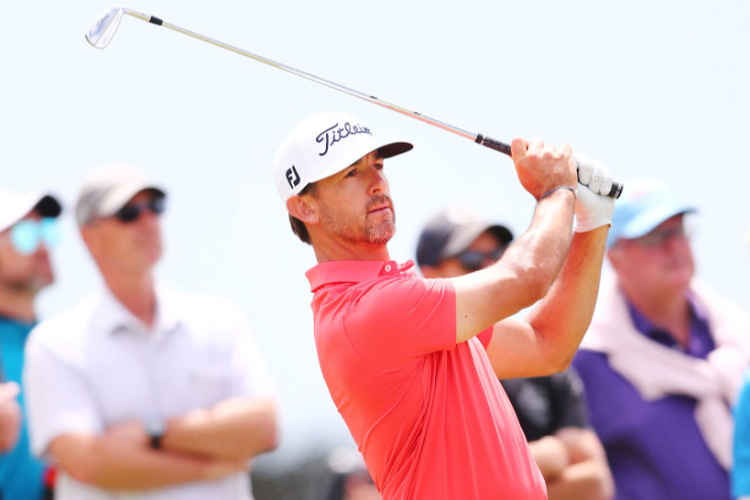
(10, 415)
(542, 168)
(593, 207)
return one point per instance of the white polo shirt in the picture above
(96, 365)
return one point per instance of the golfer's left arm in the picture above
(545, 342)
(547, 339)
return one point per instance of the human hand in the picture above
(9, 391)
(593, 207)
(542, 168)
(10, 415)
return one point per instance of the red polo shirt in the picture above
(429, 415)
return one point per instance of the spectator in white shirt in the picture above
(140, 391)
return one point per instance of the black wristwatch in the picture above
(155, 428)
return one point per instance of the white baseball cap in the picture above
(15, 206)
(323, 145)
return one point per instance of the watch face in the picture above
(155, 426)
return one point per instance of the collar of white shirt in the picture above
(112, 317)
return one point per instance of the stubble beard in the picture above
(354, 230)
(30, 285)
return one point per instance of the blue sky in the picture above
(652, 88)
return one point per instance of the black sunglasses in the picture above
(471, 260)
(131, 213)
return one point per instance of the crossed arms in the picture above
(203, 444)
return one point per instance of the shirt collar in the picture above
(114, 317)
(354, 271)
(647, 328)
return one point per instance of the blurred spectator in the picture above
(741, 464)
(663, 357)
(740, 475)
(28, 229)
(10, 417)
(140, 390)
(346, 478)
(551, 410)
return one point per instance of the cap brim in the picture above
(395, 149)
(464, 236)
(48, 206)
(123, 194)
(648, 221)
(387, 149)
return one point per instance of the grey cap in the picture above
(452, 231)
(108, 189)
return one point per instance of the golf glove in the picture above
(593, 207)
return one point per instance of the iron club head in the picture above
(104, 27)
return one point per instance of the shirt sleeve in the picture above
(396, 320)
(485, 337)
(58, 399)
(569, 401)
(740, 474)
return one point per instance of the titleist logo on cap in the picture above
(334, 134)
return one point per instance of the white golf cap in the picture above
(108, 189)
(323, 145)
(15, 206)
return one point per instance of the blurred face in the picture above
(355, 204)
(28, 269)
(130, 241)
(660, 262)
(484, 251)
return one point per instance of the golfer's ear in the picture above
(303, 208)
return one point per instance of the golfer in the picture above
(412, 364)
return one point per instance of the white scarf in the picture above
(657, 371)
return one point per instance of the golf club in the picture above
(100, 33)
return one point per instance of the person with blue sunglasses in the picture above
(28, 230)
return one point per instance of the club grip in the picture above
(504, 148)
(616, 189)
(491, 143)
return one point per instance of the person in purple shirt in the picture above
(663, 358)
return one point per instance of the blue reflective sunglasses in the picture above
(27, 235)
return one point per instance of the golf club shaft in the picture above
(488, 142)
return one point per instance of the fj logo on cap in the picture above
(332, 135)
(292, 177)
